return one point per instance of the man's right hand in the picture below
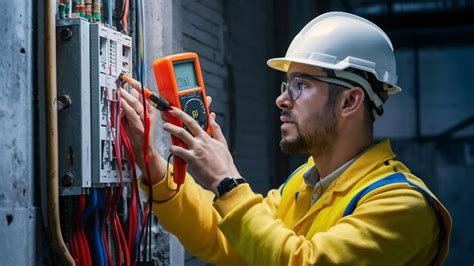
(133, 110)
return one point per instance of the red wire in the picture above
(117, 238)
(132, 217)
(113, 216)
(119, 235)
(79, 245)
(109, 204)
(107, 249)
(146, 120)
(82, 234)
(144, 221)
(123, 241)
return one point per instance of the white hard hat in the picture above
(340, 41)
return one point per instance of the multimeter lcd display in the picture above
(185, 75)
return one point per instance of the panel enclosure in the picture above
(74, 128)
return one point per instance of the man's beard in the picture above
(318, 137)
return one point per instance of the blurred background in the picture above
(430, 123)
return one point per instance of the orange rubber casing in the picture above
(165, 78)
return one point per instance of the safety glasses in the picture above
(296, 85)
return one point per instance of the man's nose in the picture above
(283, 101)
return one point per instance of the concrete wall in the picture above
(162, 33)
(19, 214)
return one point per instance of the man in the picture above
(352, 203)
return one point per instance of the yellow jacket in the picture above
(359, 220)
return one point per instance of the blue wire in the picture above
(102, 213)
(137, 39)
(142, 44)
(99, 256)
(90, 206)
(109, 12)
(137, 71)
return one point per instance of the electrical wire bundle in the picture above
(116, 193)
(79, 245)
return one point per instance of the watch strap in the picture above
(227, 184)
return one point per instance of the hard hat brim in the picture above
(283, 64)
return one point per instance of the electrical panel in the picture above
(102, 217)
(90, 57)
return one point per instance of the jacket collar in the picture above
(372, 158)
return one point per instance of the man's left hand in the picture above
(208, 156)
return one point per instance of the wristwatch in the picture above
(227, 184)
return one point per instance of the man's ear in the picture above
(352, 100)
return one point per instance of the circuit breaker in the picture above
(90, 57)
(111, 54)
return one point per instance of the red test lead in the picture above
(155, 100)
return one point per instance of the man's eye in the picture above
(302, 85)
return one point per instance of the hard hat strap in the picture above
(348, 77)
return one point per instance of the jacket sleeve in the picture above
(391, 227)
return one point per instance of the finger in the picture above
(209, 100)
(134, 83)
(150, 108)
(188, 121)
(164, 116)
(180, 133)
(216, 131)
(181, 152)
(139, 96)
(136, 94)
(132, 117)
(132, 101)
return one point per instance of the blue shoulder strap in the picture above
(391, 179)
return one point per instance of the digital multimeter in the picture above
(179, 80)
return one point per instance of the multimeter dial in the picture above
(193, 105)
